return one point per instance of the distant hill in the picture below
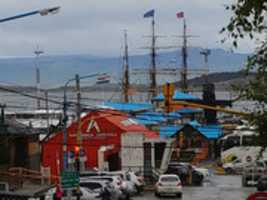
(55, 70)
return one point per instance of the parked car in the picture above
(204, 171)
(138, 181)
(182, 170)
(262, 184)
(127, 184)
(131, 182)
(234, 167)
(168, 184)
(99, 186)
(85, 194)
(115, 181)
(252, 173)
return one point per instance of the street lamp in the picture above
(65, 117)
(42, 12)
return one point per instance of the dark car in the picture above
(262, 184)
(182, 170)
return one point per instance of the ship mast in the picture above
(125, 81)
(152, 71)
(184, 85)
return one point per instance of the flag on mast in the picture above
(180, 15)
(149, 13)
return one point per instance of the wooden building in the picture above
(19, 146)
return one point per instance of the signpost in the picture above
(69, 179)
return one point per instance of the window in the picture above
(169, 179)
(91, 186)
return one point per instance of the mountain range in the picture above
(57, 69)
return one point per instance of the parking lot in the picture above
(219, 188)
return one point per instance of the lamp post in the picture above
(65, 117)
(37, 53)
(42, 12)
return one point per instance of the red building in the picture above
(98, 129)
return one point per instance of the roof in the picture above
(128, 107)
(151, 118)
(189, 110)
(146, 122)
(177, 96)
(209, 131)
(15, 128)
(168, 131)
(123, 122)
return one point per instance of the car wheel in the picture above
(260, 189)
(229, 170)
(244, 182)
(179, 195)
(157, 194)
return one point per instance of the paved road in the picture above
(219, 188)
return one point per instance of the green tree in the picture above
(249, 19)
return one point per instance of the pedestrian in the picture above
(58, 194)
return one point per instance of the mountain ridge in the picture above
(57, 69)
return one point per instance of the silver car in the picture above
(168, 184)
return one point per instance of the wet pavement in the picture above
(218, 188)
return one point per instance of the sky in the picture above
(96, 27)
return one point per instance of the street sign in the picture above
(69, 179)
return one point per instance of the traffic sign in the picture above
(69, 179)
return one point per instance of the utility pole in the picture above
(47, 111)
(37, 53)
(125, 81)
(79, 137)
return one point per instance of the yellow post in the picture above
(168, 92)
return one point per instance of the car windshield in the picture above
(169, 179)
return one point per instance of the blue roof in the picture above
(168, 131)
(177, 96)
(189, 110)
(209, 131)
(194, 123)
(213, 131)
(158, 117)
(174, 115)
(154, 116)
(129, 107)
(145, 122)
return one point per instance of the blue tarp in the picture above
(129, 107)
(177, 96)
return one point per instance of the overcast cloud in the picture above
(95, 26)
